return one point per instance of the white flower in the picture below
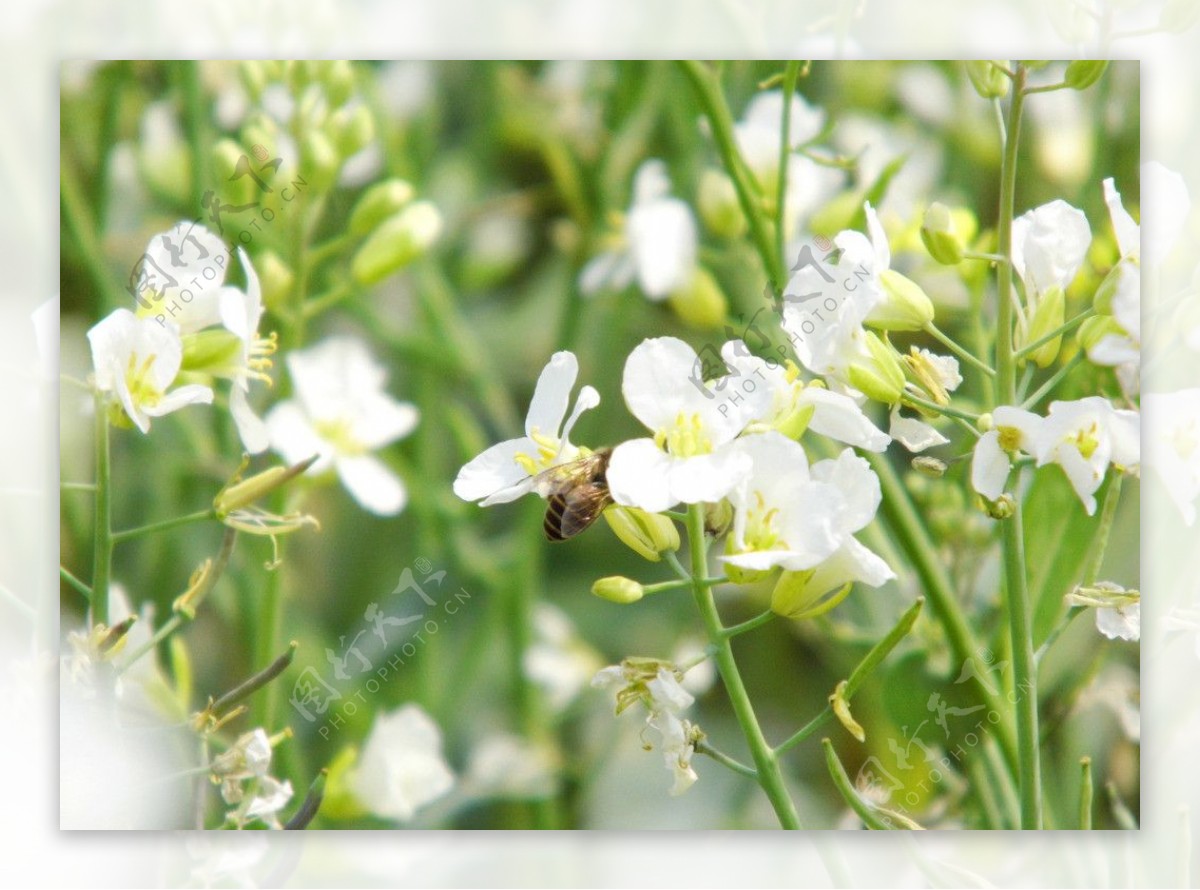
(401, 768)
(795, 406)
(1120, 622)
(506, 471)
(1174, 449)
(1084, 437)
(181, 276)
(1049, 244)
(785, 517)
(270, 796)
(1013, 430)
(508, 766)
(136, 360)
(915, 435)
(557, 660)
(693, 423)
(658, 247)
(341, 412)
(1123, 350)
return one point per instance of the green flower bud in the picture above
(398, 240)
(338, 80)
(985, 422)
(214, 351)
(1082, 73)
(351, 129)
(719, 207)
(1096, 328)
(940, 237)
(882, 379)
(718, 518)
(987, 79)
(237, 191)
(618, 589)
(700, 303)
(239, 493)
(319, 160)
(794, 597)
(1048, 316)
(1001, 508)
(904, 307)
(276, 279)
(647, 534)
(378, 203)
(299, 74)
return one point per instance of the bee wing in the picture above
(557, 479)
(582, 507)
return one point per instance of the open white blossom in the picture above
(136, 361)
(401, 767)
(341, 412)
(687, 459)
(1049, 244)
(658, 245)
(181, 276)
(506, 470)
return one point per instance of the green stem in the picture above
(872, 660)
(1048, 386)
(914, 538)
(1013, 541)
(725, 760)
(1057, 332)
(756, 621)
(164, 525)
(78, 585)
(841, 781)
(770, 778)
(1085, 793)
(918, 402)
(932, 330)
(194, 121)
(102, 556)
(707, 91)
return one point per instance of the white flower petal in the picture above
(552, 394)
(663, 380)
(913, 434)
(853, 477)
(251, 428)
(372, 484)
(639, 476)
(1127, 231)
(292, 435)
(192, 394)
(990, 466)
(611, 270)
(662, 241)
(1166, 204)
(493, 471)
(1081, 474)
(401, 768)
(1049, 244)
(839, 417)
(1124, 623)
(851, 563)
(706, 478)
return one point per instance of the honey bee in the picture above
(576, 494)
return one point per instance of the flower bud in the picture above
(718, 518)
(880, 379)
(338, 80)
(939, 235)
(795, 596)
(1082, 73)
(618, 589)
(319, 160)
(929, 466)
(904, 307)
(398, 240)
(700, 303)
(238, 493)
(214, 351)
(1001, 508)
(987, 79)
(647, 534)
(718, 205)
(378, 203)
(351, 129)
(225, 157)
(1047, 317)
(276, 279)
(1096, 328)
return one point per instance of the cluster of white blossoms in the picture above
(188, 329)
(243, 772)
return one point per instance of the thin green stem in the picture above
(1046, 388)
(757, 621)
(770, 777)
(725, 760)
(932, 330)
(1085, 793)
(1063, 328)
(870, 816)
(873, 658)
(78, 585)
(194, 123)
(103, 543)
(918, 402)
(162, 526)
(713, 102)
(1013, 541)
(984, 257)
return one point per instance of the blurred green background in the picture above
(527, 163)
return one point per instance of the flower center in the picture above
(338, 433)
(259, 361)
(139, 382)
(1010, 438)
(761, 533)
(547, 450)
(686, 438)
(1086, 440)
